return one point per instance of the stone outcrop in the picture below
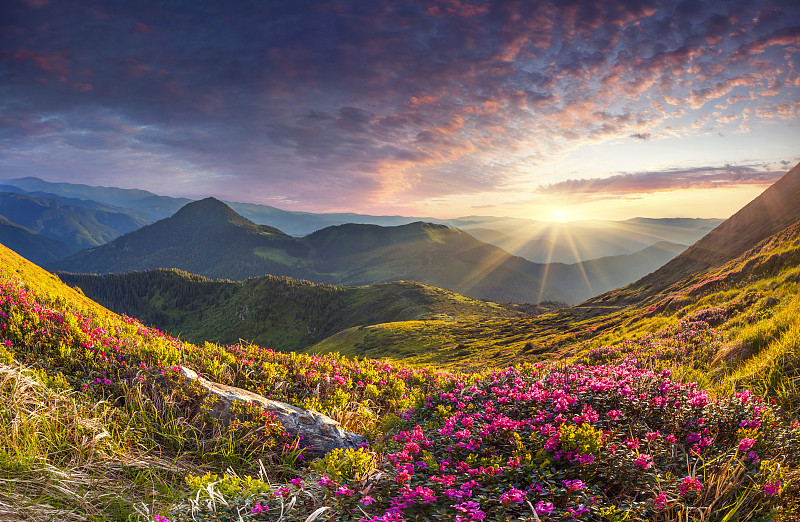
(321, 433)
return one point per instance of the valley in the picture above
(676, 394)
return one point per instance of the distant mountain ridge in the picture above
(78, 226)
(209, 238)
(30, 245)
(140, 203)
(536, 241)
(584, 240)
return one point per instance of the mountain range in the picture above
(31, 245)
(76, 225)
(209, 238)
(536, 241)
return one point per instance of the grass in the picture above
(275, 254)
(96, 426)
(65, 457)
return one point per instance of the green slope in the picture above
(775, 209)
(753, 300)
(278, 313)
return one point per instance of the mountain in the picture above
(140, 203)
(30, 245)
(274, 312)
(210, 239)
(205, 237)
(775, 209)
(78, 226)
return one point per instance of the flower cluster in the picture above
(571, 441)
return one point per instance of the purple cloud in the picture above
(337, 101)
(634, 184)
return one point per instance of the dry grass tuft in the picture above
(66, 459)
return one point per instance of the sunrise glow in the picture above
(542, 110)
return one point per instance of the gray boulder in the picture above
(321, 433)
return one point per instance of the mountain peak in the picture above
(209, 212)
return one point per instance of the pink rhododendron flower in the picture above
(772, 488)
(644, 461)
(660, 502)
(344, 491)
(689, 484)
(746, 444)
(544, 508)
(513, 495)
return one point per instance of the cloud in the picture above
(412, 99)
(635, 184)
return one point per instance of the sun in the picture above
(560, 215)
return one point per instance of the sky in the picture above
(590, 109)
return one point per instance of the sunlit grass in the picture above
(64, 457)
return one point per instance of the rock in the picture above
(772, 301)
(321, 433)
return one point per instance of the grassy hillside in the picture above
(775, 209)
(97, 426)
(279, 313)
(747, 312)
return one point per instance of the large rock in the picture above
(321, 433)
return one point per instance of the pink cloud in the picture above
(623, 185)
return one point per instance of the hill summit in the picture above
(209, 212)
(183, 241)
